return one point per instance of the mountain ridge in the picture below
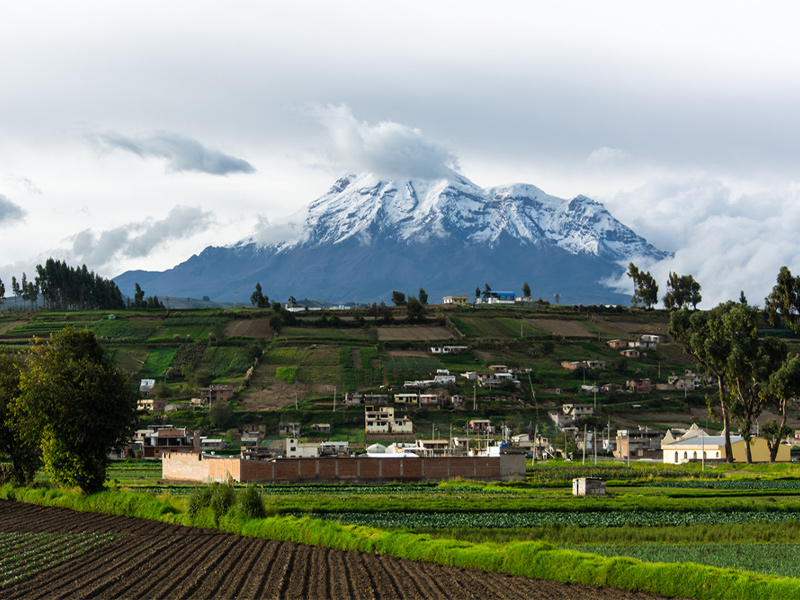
(406, 234)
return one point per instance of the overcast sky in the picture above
(135, 134)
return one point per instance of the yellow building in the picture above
(696, 444)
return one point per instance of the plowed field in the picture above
(147, 559)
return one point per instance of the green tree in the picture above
(25, 457)
(477, 292)
(423, 297)
(783, 390)
(645, 288)
(414, 310)
(258, 299)
(15, 288)
(138, 297)
(220, 414)
(751, 363)
(2, 293)
(526, 290)
(784, 299)
(701, 335)
(398, 298)
(682, 291)
(76, 405)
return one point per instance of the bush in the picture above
(219, 497)
(251, 503)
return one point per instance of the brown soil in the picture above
(562, 328)
(414, 332)
(623, 329)
(158, 560)
(255, 328)
(10, 326)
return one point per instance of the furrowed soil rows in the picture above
(147, 559)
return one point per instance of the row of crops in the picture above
(449, 520)
(24, 554)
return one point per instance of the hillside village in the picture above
(470, 379)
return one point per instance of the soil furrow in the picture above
(254, 585)
(192, 563)
(228, 572)
(134, 569)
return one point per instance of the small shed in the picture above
(588, 486)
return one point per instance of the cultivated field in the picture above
(414, 332)
(563, 328)
(147, 559)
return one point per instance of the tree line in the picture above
(62, 287)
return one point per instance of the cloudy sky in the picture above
(134, 134)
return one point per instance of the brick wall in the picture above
(201, 468)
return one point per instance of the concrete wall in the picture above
(201, 468)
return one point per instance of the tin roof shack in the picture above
(588, 486)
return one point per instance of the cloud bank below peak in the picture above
(9, 211)
(729, 241)
(138, 240)
(388, 149)
(180, 153)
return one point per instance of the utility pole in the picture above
(334, 398)
(583, 462)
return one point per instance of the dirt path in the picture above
(158, 560)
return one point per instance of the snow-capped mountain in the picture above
(368, 236)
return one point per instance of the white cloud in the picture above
(607, 155)
(136, 240)
(9, 211)
(730, 242)
(181, 153)
(387, 149)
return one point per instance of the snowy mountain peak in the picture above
(365, 207)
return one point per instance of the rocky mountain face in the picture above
(368, 236)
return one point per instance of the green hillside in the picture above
(289, 366)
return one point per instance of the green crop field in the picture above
(486, 327)
(224, 361)
(25, 554)
(124, 329)
(159, 360)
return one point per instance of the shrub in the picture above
(219, 497)
(251, 503)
